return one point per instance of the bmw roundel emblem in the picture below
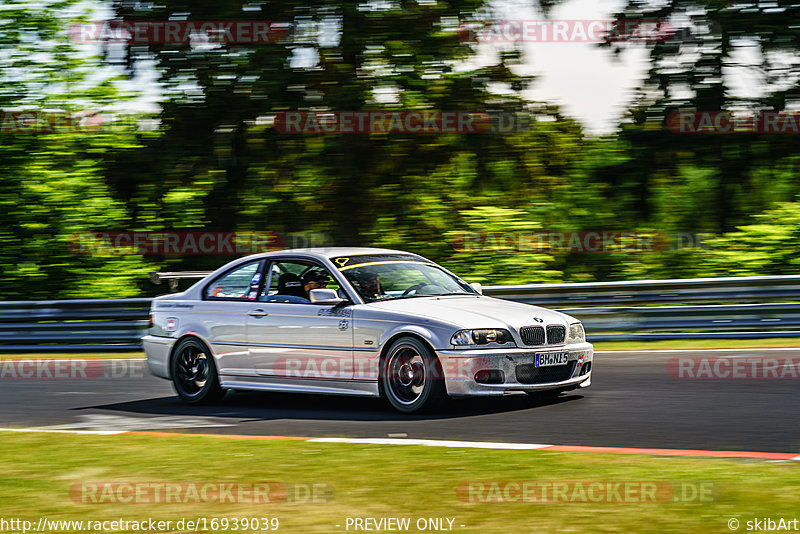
(538, 319)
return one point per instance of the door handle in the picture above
(257, 313)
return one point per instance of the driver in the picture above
(314, 279)
(370, 285)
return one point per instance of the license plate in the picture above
(549, 359)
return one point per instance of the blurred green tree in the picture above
(767, 246)
(710, 182)
(358, 188)
(52, 182)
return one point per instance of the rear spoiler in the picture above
(173, 278)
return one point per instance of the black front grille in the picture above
(532, 335)
(527, 373)
(556, 334)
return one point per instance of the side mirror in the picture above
(477, 287)
(324, 296)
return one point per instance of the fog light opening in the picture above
(490, 376)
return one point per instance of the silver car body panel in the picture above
(327, 349)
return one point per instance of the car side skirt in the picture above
(360, 388)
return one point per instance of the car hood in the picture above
(474, 312)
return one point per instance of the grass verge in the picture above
(38, 470)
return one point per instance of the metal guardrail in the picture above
(763, 307)
(73, 325)
(739, 321)
(740, 289)
(744, 307)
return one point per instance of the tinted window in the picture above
(289, 281)
(382, 280)
(240, 283)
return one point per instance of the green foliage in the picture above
(488, 259)
(53, 186)
(767, 246)
(217, 163)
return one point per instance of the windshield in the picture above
(400, 277)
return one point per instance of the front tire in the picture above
(411, 377)
(194, 373)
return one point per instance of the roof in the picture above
(332, 252)
(324, 252)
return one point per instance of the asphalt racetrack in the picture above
(633, 402)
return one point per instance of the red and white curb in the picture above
(689, 453)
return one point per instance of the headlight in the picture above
(482, 336)
(576, 333)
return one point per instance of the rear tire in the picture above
(411, 377)
(194, 373)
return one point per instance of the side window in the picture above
(291, 281)
(241, 283)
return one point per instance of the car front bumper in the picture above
(518, 369)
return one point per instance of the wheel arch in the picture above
(208, 392)
(390, 341)
(183, 337)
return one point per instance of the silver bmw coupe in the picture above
(358, 321)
